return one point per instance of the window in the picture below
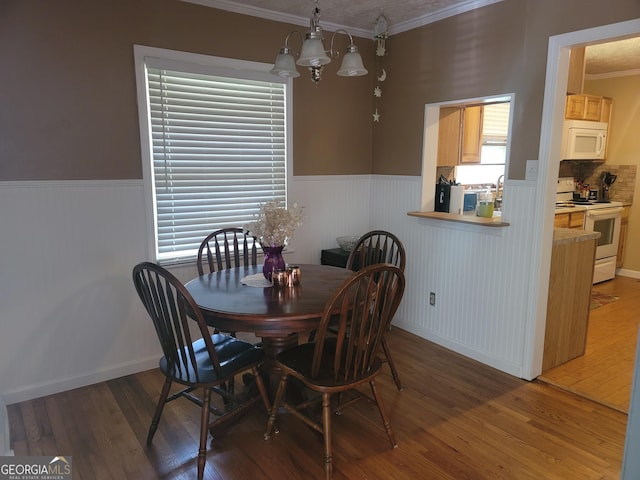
(214, 136)
(493, 143)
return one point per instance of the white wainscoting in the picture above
(480, 275)
(333, 206)
(70, 315)
(69, 312)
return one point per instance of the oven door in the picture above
(607, 222)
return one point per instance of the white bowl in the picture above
(347, 242)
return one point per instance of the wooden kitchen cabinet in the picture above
(459, 135)
(449, 136)
(605, 110)
(472, 118)
(624, 226)
(570, 281)
(588, 107)
(569, 220)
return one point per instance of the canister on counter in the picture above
(485, 205)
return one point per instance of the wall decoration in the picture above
(380, 36)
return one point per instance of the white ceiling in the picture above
(613, 57)
(359, 17)
(356, 16)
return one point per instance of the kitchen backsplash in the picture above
(590, 172)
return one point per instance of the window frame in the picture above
(172, 59)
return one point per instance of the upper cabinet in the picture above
(588, 107)
(449, 125)
(460, 135)
(472, 121)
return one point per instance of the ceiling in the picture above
(359, 18)
(613, 57)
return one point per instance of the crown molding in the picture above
(419, 21)
(603, 76)
(451, 11)
(278, 16)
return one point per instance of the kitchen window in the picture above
(214, 134)
(493, 147)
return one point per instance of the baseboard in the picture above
(623, 272)
(499, 364)
(61, 385)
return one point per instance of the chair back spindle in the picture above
(226, 248)
(170, 305)
(359, 314)
(377, 246)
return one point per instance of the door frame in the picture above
(557, 75)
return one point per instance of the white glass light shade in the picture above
(285, 65)
(313, 54)
(352, 64)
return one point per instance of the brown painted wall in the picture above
(68, 100)
(68, 106)
(500, 48)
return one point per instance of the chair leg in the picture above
(326, 421)
(156, 416)
(276, 405)
(383, 414)
(392, 366)
(204, 432)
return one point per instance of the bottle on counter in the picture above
(485, 204)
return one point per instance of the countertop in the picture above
(577, 208)
(495, 221)
(562, 236)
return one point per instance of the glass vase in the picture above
(273, 260)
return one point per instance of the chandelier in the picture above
(314, 55)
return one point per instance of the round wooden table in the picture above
(276, 315)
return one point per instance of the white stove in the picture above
(565, 197)
(587, 205)
(600, 216)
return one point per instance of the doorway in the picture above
(550, 139)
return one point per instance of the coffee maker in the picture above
(607, 180)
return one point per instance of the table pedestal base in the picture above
(273, 346)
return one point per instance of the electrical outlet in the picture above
(432, 298)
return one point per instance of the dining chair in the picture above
(361, 309)
(226, 248)
(197, 361)
(379, 246)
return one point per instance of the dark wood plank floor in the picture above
(457, 419)
(605, 372)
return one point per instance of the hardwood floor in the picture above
(456, 419)
(604, 372)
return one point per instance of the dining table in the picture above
(238, 300)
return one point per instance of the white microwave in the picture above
(583, 140)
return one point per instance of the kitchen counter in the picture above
(577, 208)
(570, 280)
(495, 221)
(563, 236)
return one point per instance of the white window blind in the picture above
(219, 150)
(495, 124)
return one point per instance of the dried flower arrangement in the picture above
(274, 224)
